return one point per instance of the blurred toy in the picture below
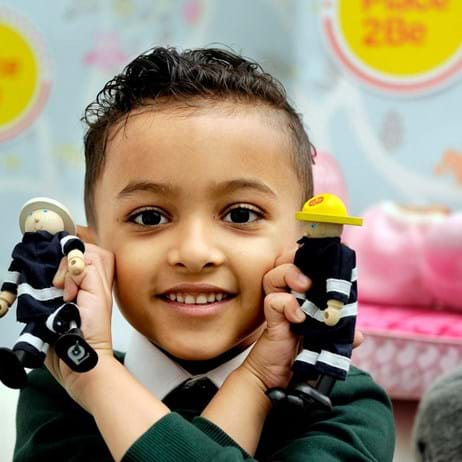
(437, 429)
(48, 235)
(330, 304)
(328, 176)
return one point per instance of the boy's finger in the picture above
(285, 276)
(286, 257)
(70, 288)
(58, 280)
(359, 338)
(102, 260)
(282, 308)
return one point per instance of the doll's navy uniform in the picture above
(39, 304)
(331, 266)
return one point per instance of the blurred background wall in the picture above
(395, 135)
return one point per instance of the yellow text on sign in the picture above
(402, 37)
(18, 74)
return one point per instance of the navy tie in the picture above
(191, 396)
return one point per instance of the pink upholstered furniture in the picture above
(410, 296)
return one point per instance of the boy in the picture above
(196, 164)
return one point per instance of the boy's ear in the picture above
(87, 234)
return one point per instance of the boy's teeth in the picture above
(189, 299)
(200, 299)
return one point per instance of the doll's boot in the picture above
(75, 351)
(12, 373)
(301, 395)
(308, 398)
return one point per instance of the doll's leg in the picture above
(29, 351)
(32, 345)
(66, 317)
(304, 366)
(71, 346)
(335, 363)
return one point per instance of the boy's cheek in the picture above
(87, 234)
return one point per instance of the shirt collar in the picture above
(160, 374)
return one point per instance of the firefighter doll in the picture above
(330, 304)
(48, 235)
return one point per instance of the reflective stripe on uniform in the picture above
(310, 309)
(49, 293)
(11, 277)
(354, 274)
(334, 360)
(307, 356)
(338, 285)
(34, 341)
(65, 240)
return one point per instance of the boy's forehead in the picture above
(208, 140)
(229, 112)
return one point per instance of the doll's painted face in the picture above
(196, 207)
(44, 220)
(318, 230)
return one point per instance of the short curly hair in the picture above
(166, 74)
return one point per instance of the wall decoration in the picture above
(24, 74)
(404, 47)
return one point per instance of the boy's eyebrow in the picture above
(244, 183)
(148, 186)
(220, 188)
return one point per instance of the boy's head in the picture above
(193, 78)
(196, 165)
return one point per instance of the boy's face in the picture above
(196, 208)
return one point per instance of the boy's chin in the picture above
(199, 362)
(194, 354)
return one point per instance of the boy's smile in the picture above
(196, 207)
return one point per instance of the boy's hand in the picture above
(286, 276)
(272, 356)
(92, 290)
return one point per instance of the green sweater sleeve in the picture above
(51, 426)
(360, 428)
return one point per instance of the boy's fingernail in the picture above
(300, 315)
(58, 277)
(303, 279)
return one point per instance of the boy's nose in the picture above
(195, 249)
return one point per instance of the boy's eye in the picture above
(149, 217)
(314, 225)
(242, 215)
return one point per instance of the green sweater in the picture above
(51, 426)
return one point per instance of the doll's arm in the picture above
(76, 262)
(6, 300)
(9, 288)
(332, 312)
(74, 249)
(340, 285)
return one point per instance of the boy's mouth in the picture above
(196, 295)
(196, 299)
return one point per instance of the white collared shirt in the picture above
(160, 374)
